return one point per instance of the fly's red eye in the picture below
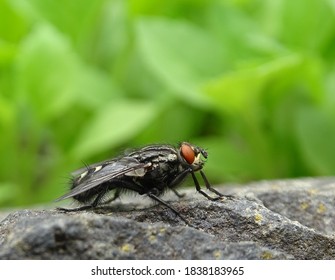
(188, 153)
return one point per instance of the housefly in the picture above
(151, 170)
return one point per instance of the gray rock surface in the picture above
(284, 219)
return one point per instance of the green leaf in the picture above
(242, 33)
(8, 192)
(113, 124)
(53, 79)
(181, 55)
(75, 19)
(7, 53)
(240, 90)
(308, 27)
(175, 122)
(316, 134)
(13, 25)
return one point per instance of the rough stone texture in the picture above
(284, 219)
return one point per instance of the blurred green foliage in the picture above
(251, 81)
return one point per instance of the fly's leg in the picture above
(176, 181)
(126, 185)
(78, 209)
(153, 194)
(208, 186)
(99, 197)
(180, 195)
(116, 196)
(155, 197)
(85, 207)
(198, 188)
(179, 178)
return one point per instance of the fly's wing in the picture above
(91, 166)
(107, 171)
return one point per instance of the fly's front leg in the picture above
(208, 186)
(177, 180)
(198, 188)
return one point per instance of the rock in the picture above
(284, 219)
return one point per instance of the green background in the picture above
(251, 81)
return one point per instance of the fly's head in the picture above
(192, 156)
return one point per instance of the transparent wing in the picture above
(107, 171)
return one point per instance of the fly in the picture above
(151, 171)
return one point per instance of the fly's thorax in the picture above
(155, 154)
(164, 161)
(159, 158)
(191, 156)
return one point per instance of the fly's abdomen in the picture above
(90, 195)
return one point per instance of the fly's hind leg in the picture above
(161, 201)
(180, 195)
(93, 205)
(78, 209)
(116, 196)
